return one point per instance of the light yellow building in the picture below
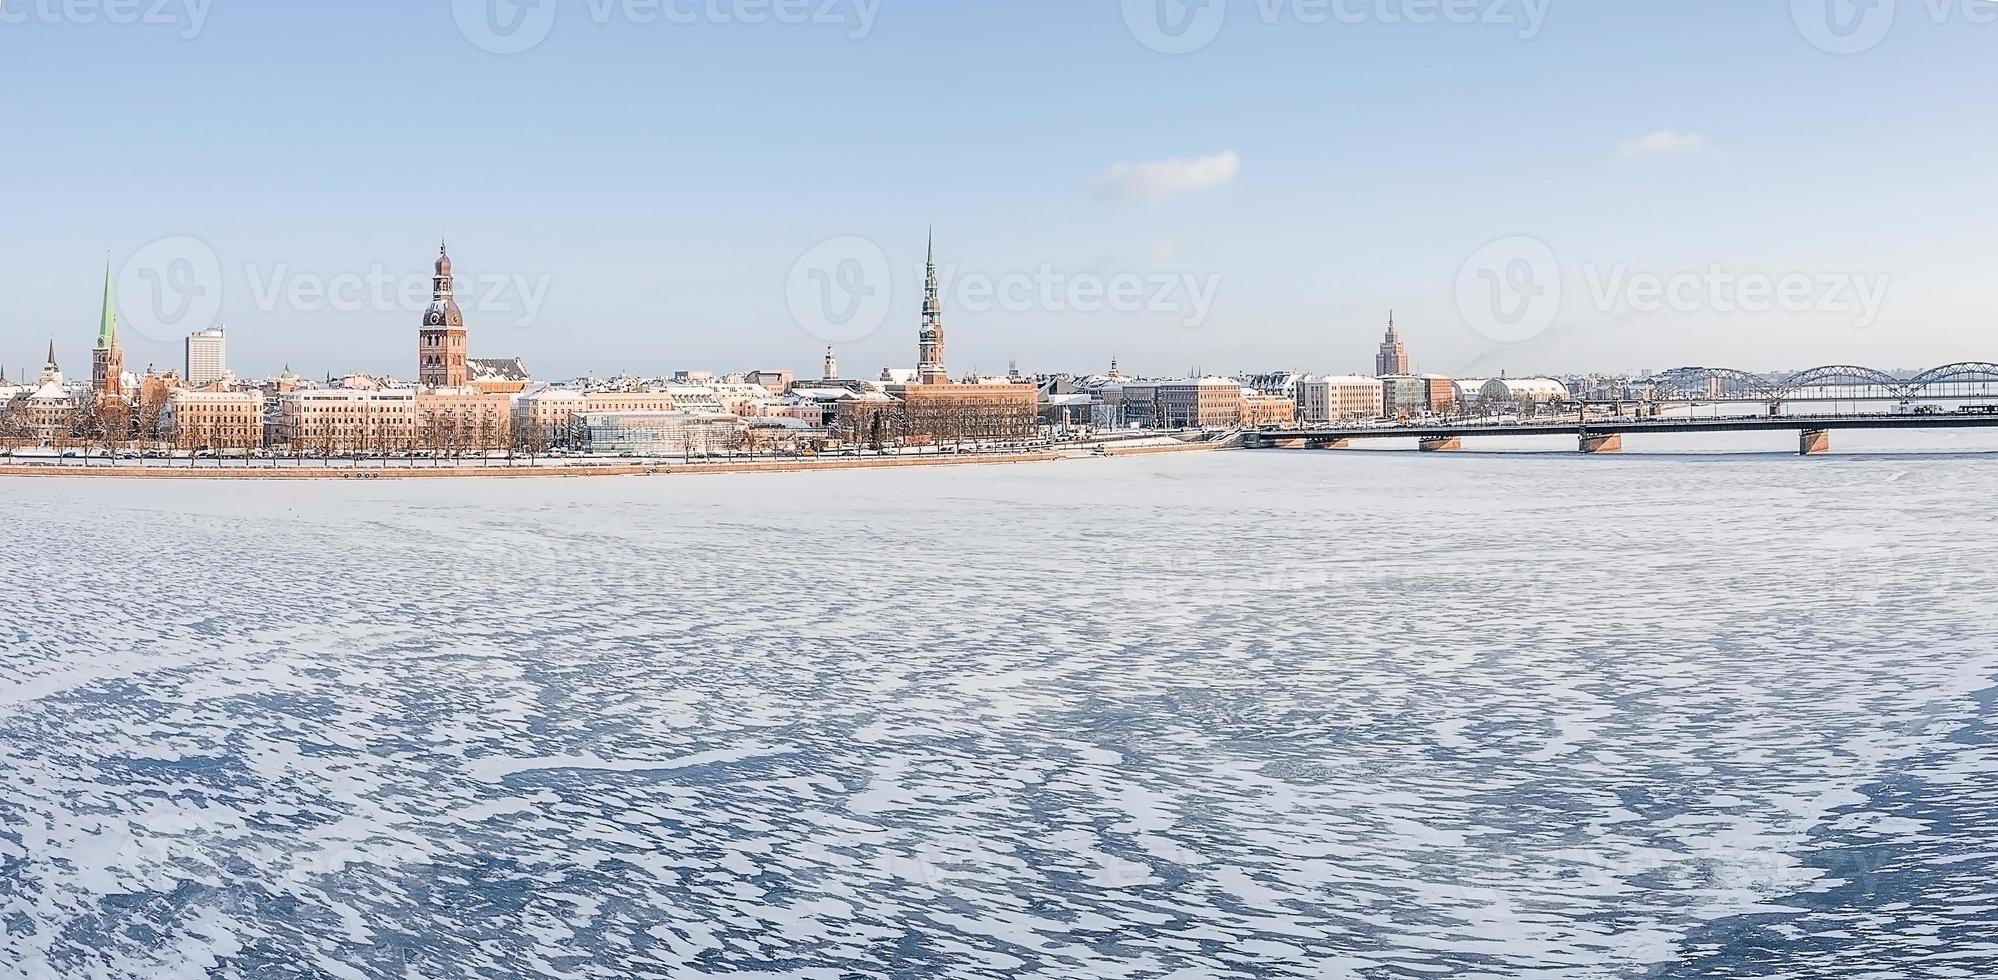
(213, 420)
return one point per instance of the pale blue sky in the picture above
(661, 179)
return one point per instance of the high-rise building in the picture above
(441, 344)
(107, 360)
(207, 357)
(1393, 357)
(930, 369)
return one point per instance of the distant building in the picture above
(1199, 403)
(987, 408)
(779, 381)
(50, 406)
(1340, 399)
(551, 416)
(463, 419)
(1524, 392)
(662, 433)
(220, 420)
(1442, 394)
(1266, 408)
(343, 420)
(1405, 396)
(1392, 361)
(1274, 383)
(1077, 408)
(207, 357)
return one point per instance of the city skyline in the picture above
(1391, 356)
(1310, 211)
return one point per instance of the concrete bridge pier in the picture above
(1602, 442)
(1814, 442)
(1440, 444)
(1331, 444)
(1288, 443)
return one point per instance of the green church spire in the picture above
(107, 325)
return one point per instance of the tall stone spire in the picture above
(930, 368)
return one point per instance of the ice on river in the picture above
(1313, 715)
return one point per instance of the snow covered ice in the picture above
(1238, 715)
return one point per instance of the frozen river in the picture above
(1234, 715)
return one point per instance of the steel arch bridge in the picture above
(1827, 383)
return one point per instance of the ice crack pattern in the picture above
(1226, 716)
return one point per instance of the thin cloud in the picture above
(1163, 179)
(1666, 142)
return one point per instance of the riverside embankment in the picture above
(265, 470)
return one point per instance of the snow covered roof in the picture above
(497, 369)
(54, 390)
(1499, 388)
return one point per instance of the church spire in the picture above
(930, 369)
(107, 323)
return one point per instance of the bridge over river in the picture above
(1606, 435)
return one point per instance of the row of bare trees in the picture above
(943, 422)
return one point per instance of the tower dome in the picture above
(443, 311)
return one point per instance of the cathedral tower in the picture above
(441, 344)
